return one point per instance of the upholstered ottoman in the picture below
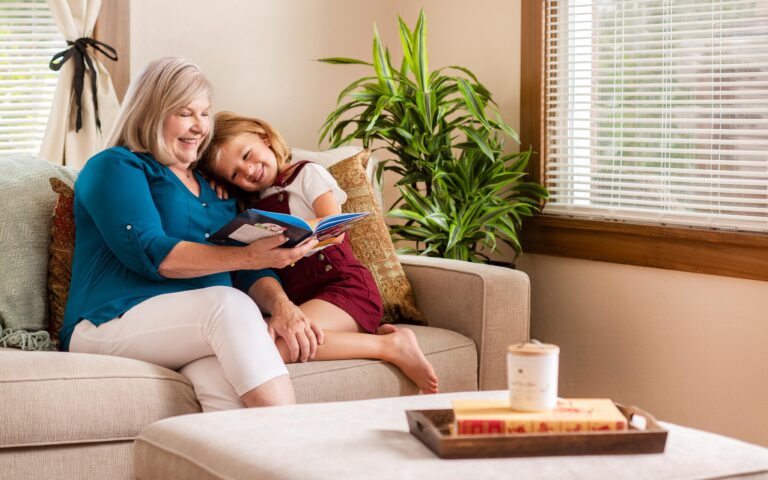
(369, 439)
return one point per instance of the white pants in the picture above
(217, 334)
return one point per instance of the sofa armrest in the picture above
(489, 304)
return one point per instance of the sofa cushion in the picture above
(70, 398)
(27, 202)
(50, 398)
(330, 157)
(453, 356)
(372, 244)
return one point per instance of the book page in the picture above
(250, 233)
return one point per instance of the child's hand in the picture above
(219, 188)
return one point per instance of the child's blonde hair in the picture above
(229, 125)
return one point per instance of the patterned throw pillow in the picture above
(26, 202)
(371, 242)
(62, 247)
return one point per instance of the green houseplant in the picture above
(459, 191)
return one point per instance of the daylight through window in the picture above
(28, 39)
(657, 111)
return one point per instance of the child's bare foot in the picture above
(386, 329)
(407, 355)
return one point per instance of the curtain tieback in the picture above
(79, 50)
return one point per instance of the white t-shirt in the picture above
(312, 181)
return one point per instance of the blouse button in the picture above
(205, 205)
(207, 234)
(320, 257)
(328, 268)
(128, 227)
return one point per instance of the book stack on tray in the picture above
(483, 417)
(489, 428)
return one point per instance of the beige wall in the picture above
(687, 347)
(260, 54)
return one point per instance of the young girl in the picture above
(331, 286)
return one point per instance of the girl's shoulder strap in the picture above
(288, 176)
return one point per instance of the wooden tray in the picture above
(431, 428)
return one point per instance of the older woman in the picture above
(145, 284)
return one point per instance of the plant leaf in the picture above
(351, 87)
(407, 251)
(474, 105)
(454, 236)
(381, 103)
(421, 57)
(406, 215)
(343, 61)
(479, 141)
(380, 63)
(405, 41)
(506, 128)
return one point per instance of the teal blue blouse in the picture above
(130, 211)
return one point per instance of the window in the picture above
(657, 110)
(651, 117)
(28, 39)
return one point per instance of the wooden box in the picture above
(431, 427)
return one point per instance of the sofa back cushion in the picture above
(27, 201)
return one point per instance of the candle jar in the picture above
(532, 370)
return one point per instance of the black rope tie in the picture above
(79, 51)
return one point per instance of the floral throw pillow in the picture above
(372, 244)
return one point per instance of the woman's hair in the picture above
(163, 86)
(229, 125)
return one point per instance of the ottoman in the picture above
(369, 439)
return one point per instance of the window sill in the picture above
(731, 254)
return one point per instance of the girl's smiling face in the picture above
(246, 161)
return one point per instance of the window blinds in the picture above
(28, 39)
(657, 111)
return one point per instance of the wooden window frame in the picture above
(715, 252)
(113, 27)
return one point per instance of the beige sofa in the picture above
(68, 415)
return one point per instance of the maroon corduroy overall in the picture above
(333, 274)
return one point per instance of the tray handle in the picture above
(639, 418)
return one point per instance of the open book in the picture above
(253, 224)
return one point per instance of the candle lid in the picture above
(531, 348)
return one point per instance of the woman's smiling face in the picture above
(246, 161)
(185, 129)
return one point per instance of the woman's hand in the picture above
(301, 335)
(267, 253)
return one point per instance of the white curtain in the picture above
(62, 144)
